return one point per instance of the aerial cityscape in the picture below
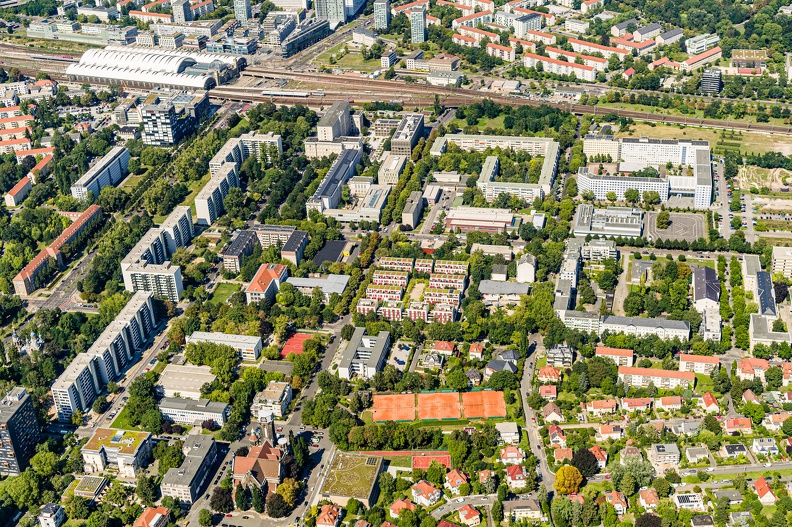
(392, 263)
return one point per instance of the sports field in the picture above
(435, 406)
(439, 406)
(294, 344)
(351, 475)
(424, 461)
(398, 407)
(483, 405)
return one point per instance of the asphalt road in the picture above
(531, 425)
(457, 503)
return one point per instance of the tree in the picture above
(45, 463)
(786, 427)
(289, 490)
(76, 508)
(711, 423)
(632, 195)
(205, 518)
(585, 462)
(457, 380)
(347, 331)
(568, 480)
(663, 221)
(145, 490)
(754, 411)
(276, 507)
(648, 520)
(627, 484)
(221, 500)
(241, 497)
(611, 196)
(607, 280)
(662, 486)
(257, 500)
(151, 421)
(497, 512)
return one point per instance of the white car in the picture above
(710, 469)
(768, 465)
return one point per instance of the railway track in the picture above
(387, 90)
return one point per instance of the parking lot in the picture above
(399, 355)
(688, 227)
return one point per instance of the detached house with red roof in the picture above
(549, 374)
(617, 500)
(601, 455)
(426, 494)
(560, 454)
(443, 347)
(515, 477)
(556, 436)
(454, 480)
(329, 516)
(763, 491)
(605, 432)
(151, 517)
(549, 392)
(672, 403)
(636, 404)
(469, 516)
(738, 424)
(648, 499)
(709, 403)
(511, 455)
(600, 407)
(400, 505)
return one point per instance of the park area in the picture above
(775, 179)
(720, 140)
(439, 406)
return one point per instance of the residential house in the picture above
(560, 356)
(702, 520)
(738, 424)
(329, 516)
(629, 452)
(474, 377)
(740, 518)
(454, 480)
(709, 403)
(551, 413)
(763, 491)
(549, 374)
(733, 495)
(689, 500)
(476, 351)
(637, 404)
(469, 516)
(697, 363)
(617, 500)
(522, 509)
(509, 356)
(549, 392)
(697, 454)
(443, 347)
(497, 365)
(511, 455)
(152, 517)
(750, 368)
(560, 454)
(426, 494)
(515, 477)
(765, 446)
(605, 432)
(601, 455)
(648, 499)
(600, 407)
(556, 436)
(750, 397)
(508, 432)
(733, 451)
(671, 403)
(773, 422)
(400, 505)
(663, 456)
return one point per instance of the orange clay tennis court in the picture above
(437, 406)
(424, 461)
(399, 407)
(483, 405)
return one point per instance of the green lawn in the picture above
(704, 383)
(122, 421)
(483, 122)
(131, 182)
(222, 291)
(541, 363)
(195, 187)
(705, 263)
(399, 461)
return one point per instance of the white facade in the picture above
(109, 170)
(248, 348)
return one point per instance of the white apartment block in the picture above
(697, 363)
(601, 185)
(559, 67)
(598, 63)
(209, 201)
(109, 170)
(782, 261)
(664, 379)
(126, 450)
(247, 347)
(274, 400)
(194, 412)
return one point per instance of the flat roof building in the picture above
(19, 432)
(294, 247)
(127, 450)
(242, 245)
(247, 347)
(328, 194)
(109, 170)
(409, 131)
(782, 261)
(332, 283)
(184, 381)
(612, 221)
(273, 401)
(194, 412)
(468, 219)
(364, 354)
(185, 482)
